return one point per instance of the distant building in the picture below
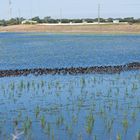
(116, 21)
(29, 22)
(84, 21)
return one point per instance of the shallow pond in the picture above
(81, 107)
(93, 107)
(33, 50)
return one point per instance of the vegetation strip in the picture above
(72, 70)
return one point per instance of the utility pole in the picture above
(19, 13)
(31, 10)
(19, 16)
(10, 9)
(99, 13)
(60, 15)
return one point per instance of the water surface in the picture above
(34, 50)
(79, 107)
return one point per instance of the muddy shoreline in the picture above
(72, 70)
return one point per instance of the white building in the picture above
(84, 22)
(116, 21)
(29, 22)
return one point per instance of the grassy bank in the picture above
(97, 29)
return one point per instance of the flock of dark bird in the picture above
(72, 70)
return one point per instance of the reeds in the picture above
(69, 106)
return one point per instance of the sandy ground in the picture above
(101, 29)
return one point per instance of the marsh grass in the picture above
(118, 137)
(27, 125)
(43, 121)
(89, 123)
(70, 105)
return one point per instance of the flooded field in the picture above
(60, 106)
(36, 50)
(93, 107)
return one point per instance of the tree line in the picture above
(16, 21)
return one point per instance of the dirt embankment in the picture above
(99, 29)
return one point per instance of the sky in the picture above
(70, 8)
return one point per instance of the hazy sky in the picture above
(70, 8)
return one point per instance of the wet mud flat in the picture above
(72, 70)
